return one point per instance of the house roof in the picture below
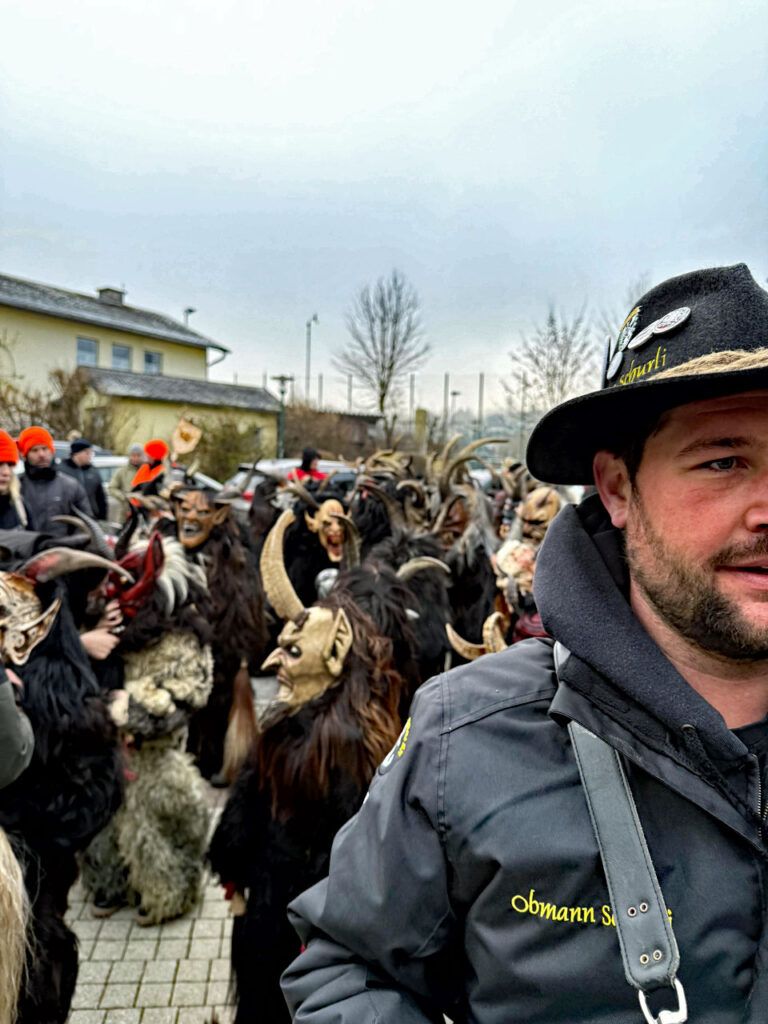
(108, 311)
(155, 387)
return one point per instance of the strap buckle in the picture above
(678, 1016)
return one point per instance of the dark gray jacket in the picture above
(47, 493)
(17, 742)
(89, 479)
(470, 882)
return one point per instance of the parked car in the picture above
(344, 475)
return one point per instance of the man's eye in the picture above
(294, 651)
(722, 465)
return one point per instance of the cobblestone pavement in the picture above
(175, 973)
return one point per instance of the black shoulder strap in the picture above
(648, 947)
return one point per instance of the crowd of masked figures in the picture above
(352, 596)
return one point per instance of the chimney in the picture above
(111, 296)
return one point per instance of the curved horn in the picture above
(324, 483)
(448, 448)
(98, 538)
(494, 628)
(126, 533)
(54, 562)
(352, 541)
(301, 492)
(462, 646)
(277, 585)
(413, 565)
(393, 507)
(412, 485)
(466, 453)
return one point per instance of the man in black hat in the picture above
(576, 830)
(80, 466)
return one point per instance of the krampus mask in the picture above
(537, 511)
(23, 623)
(329, 528)
(197, 514)
(314, 642)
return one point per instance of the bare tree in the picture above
(608, 322)
(387, 341)
(554, 362)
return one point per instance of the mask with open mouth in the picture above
(196, 516)
(329, 529)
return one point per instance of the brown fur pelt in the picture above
(356, 723)
(14, 916)
(239, 634)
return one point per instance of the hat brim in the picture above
(564, 442)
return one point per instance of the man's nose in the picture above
(756, 517)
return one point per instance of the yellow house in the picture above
(146, 368)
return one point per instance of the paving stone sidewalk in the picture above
(175, 973)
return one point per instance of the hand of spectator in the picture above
(112, 616)
(99, 643)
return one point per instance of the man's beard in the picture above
(687, 597)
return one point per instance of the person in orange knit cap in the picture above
(13, 515)
(46, 493)
(156, 451)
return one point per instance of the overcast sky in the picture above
(261, 161)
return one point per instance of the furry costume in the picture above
(153, 850)
(67, 793)
(240, 639)
(307, 773)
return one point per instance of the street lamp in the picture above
(454, 396)
(188, 313)
(283, 382)
(312, 320)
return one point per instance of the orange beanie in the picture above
(8, 450)
(156, 450)
(33, 436)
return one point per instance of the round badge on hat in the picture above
(665, 323)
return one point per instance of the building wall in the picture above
(39, 344)
(138, 420)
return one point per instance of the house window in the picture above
(153, 362)
(121, 357)
(87, 352)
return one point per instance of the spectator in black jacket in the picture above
(13, 516)
(45, 492)
(79, 467)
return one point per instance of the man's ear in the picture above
(613, 485)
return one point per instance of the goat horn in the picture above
(412, 485)
(445, 453)
(98, 539)
(466, 453)
(324, 483)
(393, 507)
(462, 646)
(277, 585)
(90, 528)
(494, 628)
(413, 565)
(48, 565)
(301, 492)
(126, 533)
(352, 540)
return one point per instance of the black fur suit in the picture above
(69, 792)
(273, 858)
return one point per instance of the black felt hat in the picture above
(696, 336)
